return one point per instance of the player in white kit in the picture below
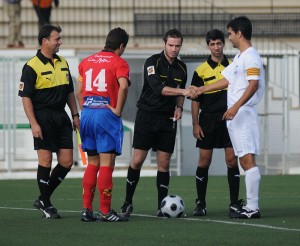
(245, 80)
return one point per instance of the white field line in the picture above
(189, 219)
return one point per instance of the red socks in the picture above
(105, 185)
(89, 182)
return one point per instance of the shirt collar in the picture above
(44, 59)
(162, 55)
(214, 64)
(107, 51)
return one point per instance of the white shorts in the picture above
(244, 131)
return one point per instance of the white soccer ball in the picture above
(172, 206)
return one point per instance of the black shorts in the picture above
(215, 131)
(56, 129)
(154, 130)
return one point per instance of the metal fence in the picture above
(85, 24)
(279, 111)
(195, 24)
(279, 115)
(16, 142)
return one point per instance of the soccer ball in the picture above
(172, 206)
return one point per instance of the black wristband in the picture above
(178, 106)
(75, 115)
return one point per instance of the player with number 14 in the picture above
(102, 91)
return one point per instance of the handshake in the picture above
(193, 92)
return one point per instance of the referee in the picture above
(159, 109)
(46, 87)
(208, 127)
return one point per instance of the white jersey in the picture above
(245, 66)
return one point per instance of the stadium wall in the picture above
(86, 22)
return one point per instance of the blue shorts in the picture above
(101, 130)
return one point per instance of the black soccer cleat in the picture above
(200, 209)
(38, 204)
(87, 215)
(233, 208)
(126, 209)
(111, 216)
(51, 213)
(246, 213)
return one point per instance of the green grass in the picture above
(20, 224)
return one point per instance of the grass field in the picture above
(20, 224)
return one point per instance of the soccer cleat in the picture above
(233, 208)
(246, 213)
(111, 216)
(87, 215)
(38, 204)
(200, 210)
(126, 209)
(51, 213)
(159, 213)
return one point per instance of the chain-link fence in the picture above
(279, 115)
(85, 24)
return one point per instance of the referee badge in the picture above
(150, 70)
(21, 86)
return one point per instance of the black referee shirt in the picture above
(158, 73)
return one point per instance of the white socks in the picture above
(252, 180)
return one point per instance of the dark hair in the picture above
(173, 33)
(214, 34)
(46, 31)
(243, 24)
(115, 38)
